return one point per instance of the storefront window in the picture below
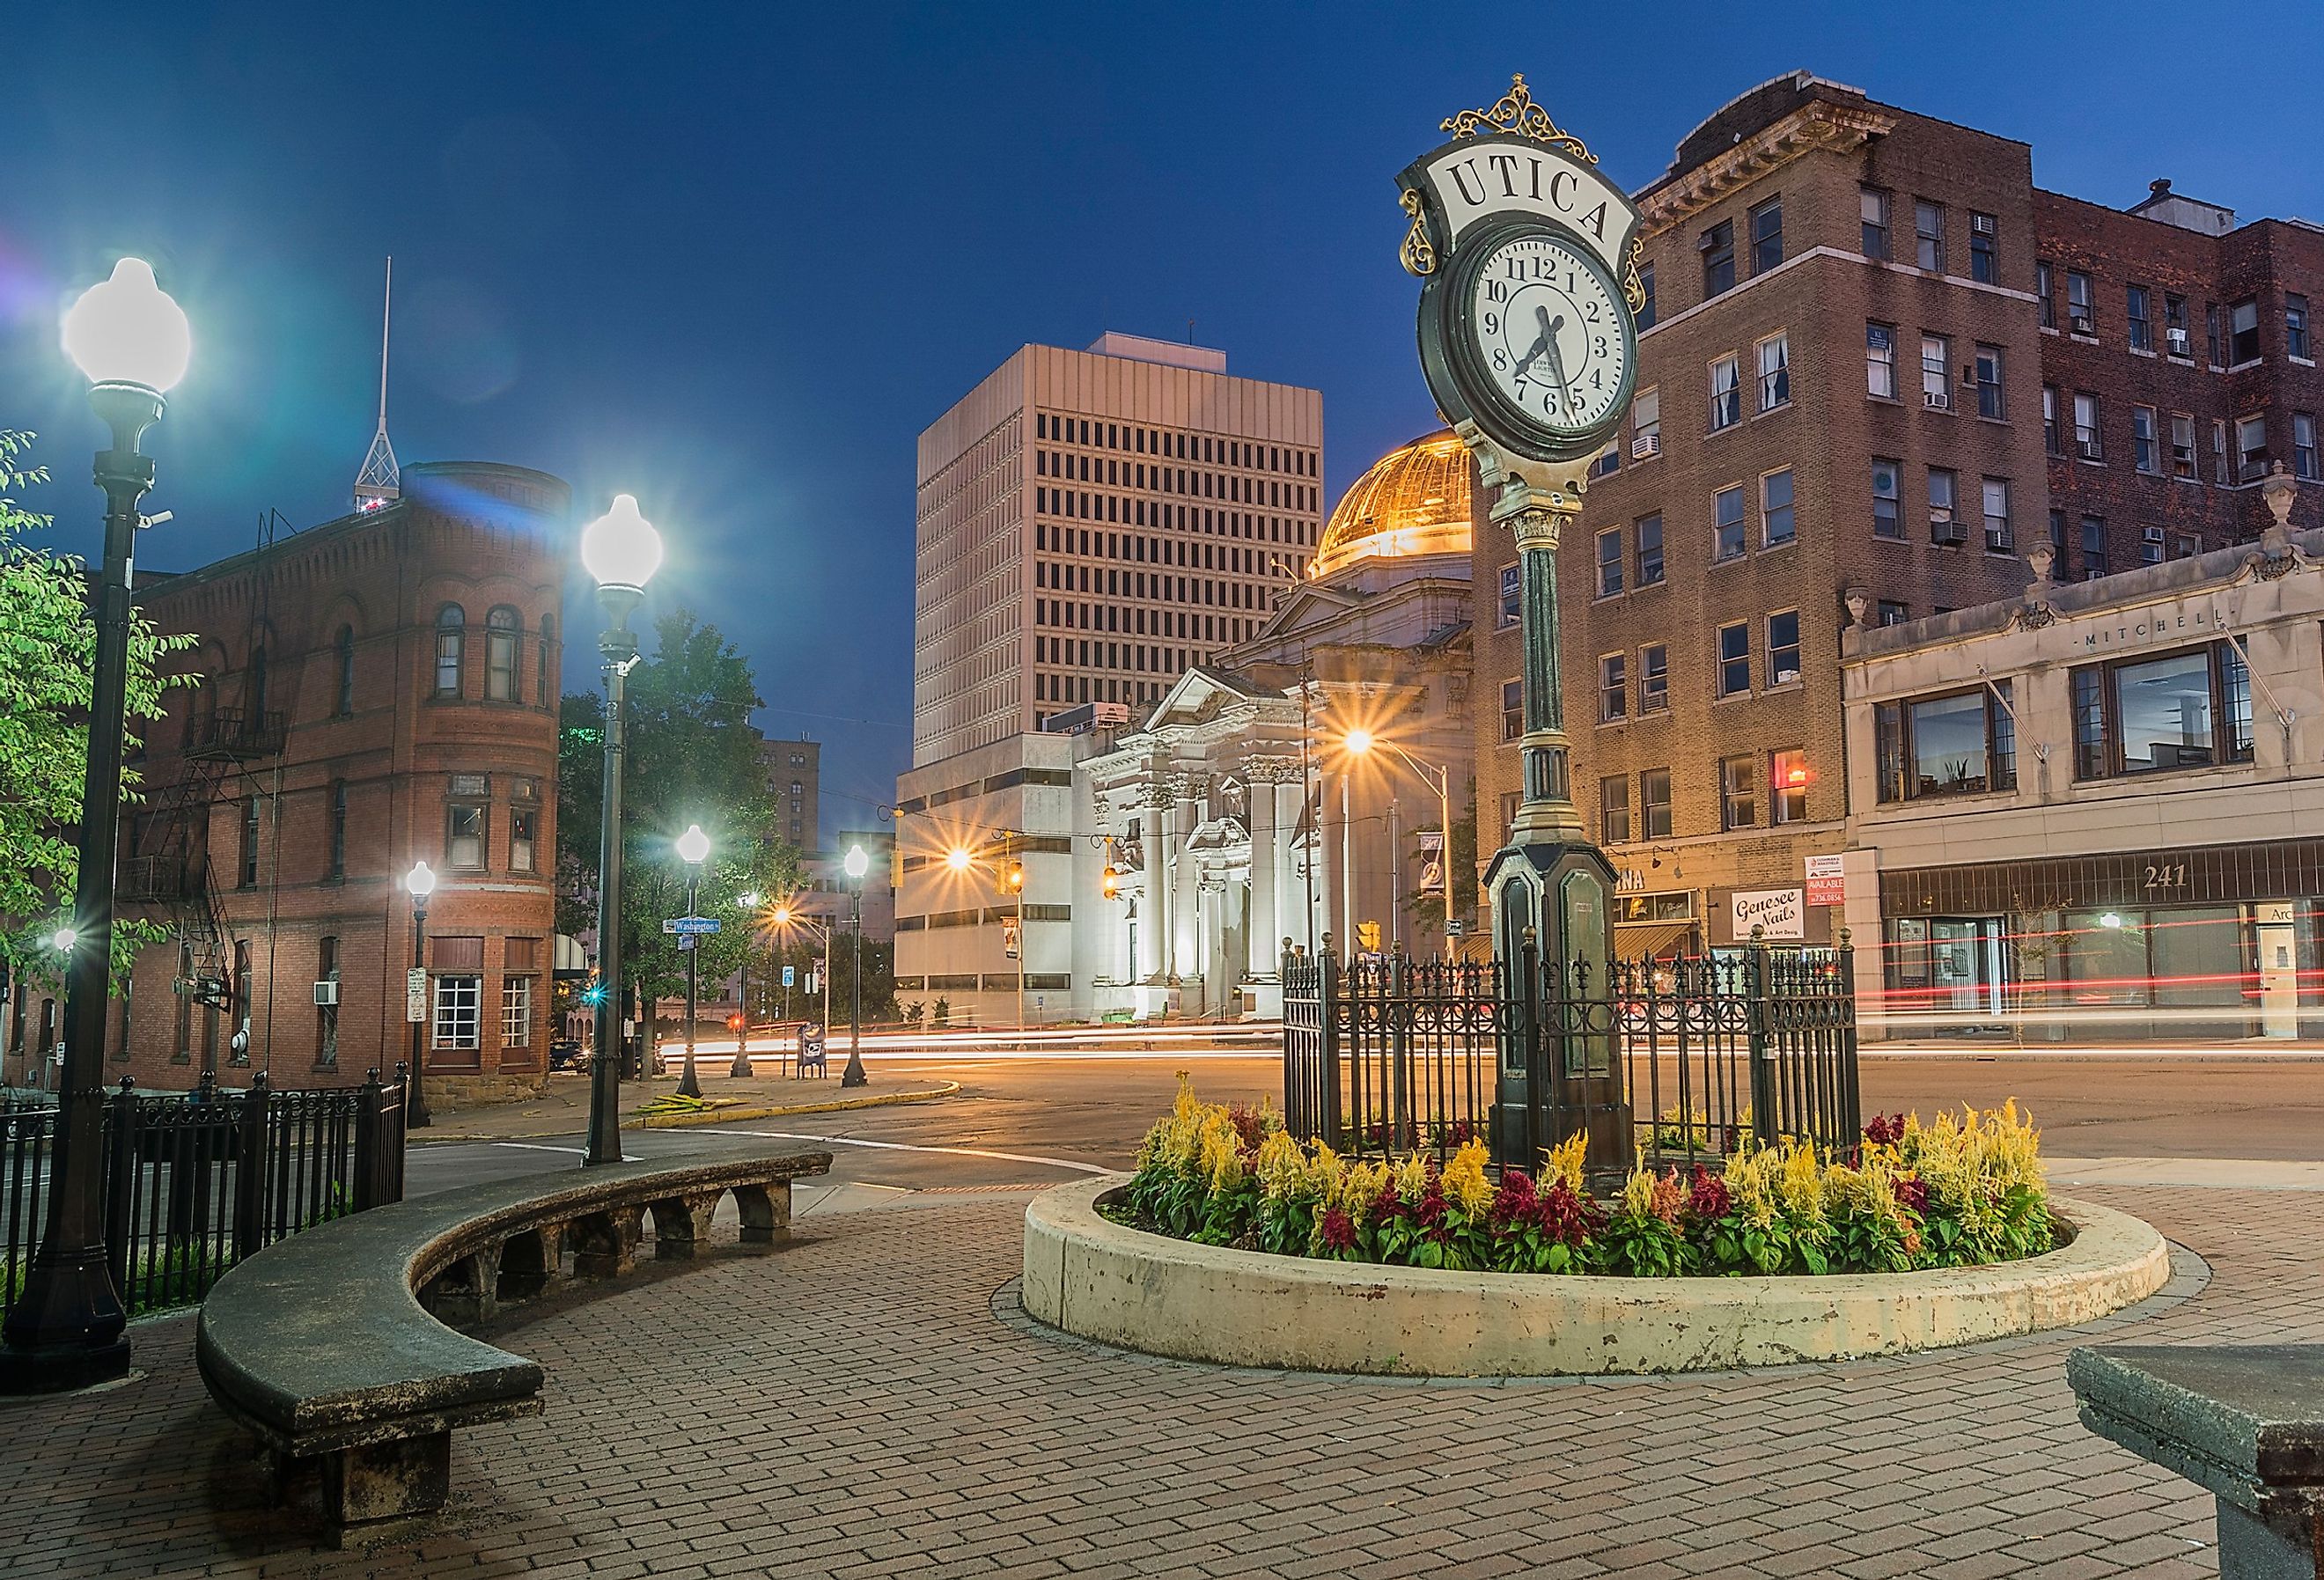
(2189, 710)
(1955, 744)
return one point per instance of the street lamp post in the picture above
(785, 917)
(1359, 742)
(66, 1328)
(857, 864)
(741, 1070)
(419, 882)
(692, 848)
(621, 551)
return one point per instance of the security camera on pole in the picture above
(1527, 257)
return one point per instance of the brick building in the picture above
(378, 689)
(794, 770)
(1844, 370)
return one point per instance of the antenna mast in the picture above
(378, 482)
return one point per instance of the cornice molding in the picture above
(1817, 126)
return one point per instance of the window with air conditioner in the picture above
(2081, 304)
(1983, 264)
(1647, 424)
(2150, 546)
(1944, 491)
(2087, 445)
(2000, 537)
(1936, 367)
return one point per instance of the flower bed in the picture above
(1964, 1190)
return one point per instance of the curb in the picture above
(716, 1115)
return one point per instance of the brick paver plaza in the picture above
(870, 1401)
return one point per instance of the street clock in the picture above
(1527, 256)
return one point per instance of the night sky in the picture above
(732, 259)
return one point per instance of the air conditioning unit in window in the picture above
(1937, 400)
(326, 994)
(1943, 529)
(2178, 343)
(2087, 448)
(1644, 445)
(2082, 323)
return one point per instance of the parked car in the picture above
(566, 1054)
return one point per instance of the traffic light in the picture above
(594, 995)
(1016, 877)
(733, 1022)
(1110, 883)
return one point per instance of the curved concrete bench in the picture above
(333, 1343)
(1091, 1276)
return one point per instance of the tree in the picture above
(48, 648)
(691, 758)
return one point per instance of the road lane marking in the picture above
(537, 1147)
(790, 1135)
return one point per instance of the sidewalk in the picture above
(564, 1109)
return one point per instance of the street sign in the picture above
(415, 995)
(683, 925)
(790, 974)
(685, 941)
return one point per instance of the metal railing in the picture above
(1670, 1062)
(193, 1183)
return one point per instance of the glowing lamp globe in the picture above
(748, 900)
(957, 859)
(127, 331)
(621, 548)
(420, 880)
(63, 939)
(692, 846)
(1359, 742)
(857, 863)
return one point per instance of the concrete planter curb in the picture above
(784, 1111)
(1141, 1291)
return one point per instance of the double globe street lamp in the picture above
(419, 882)
(748, 902)
(66, 1327)
(693, 849)
(621, 551)
(857, 864)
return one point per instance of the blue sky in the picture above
(732, 259)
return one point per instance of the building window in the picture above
(500, 654)
(1999, 537)
(2220, 468)
(463, 836)
(458, 1003)
(1647, 424)
(1607, 460)
(1888, 520)
(2081, 304)
(2211, 331)
(1889, 612)
(1991, 400)
(1738, 799)
(1936, 372)
(1512, 709)
(1614, 810)
(1774, 372)
(2295, 325)
(1929, 234)
(1510, 606)
(345, 648)
(1648, 530)
(1944, 498)
(1783, 647)
(451, 636)
(1962, 742)
(1717, 247)
(1787, 794)
(1874, 205)
(1655, 803)
(2251, 448)
(516, 1011)
(544, 683)
(2242, 332)
(523, 823)
(246, 865)
(1727, 522)
(2087, 443)
(1610, 562)
(326, 1016)
(2182, 446)
(2050, 441)
(1983, 265)
(1726, 392)
(1735, 659)
(2150, 546)
(1613, 689)
(2146, 444)
(1880, 361)
(1775, 510)
(2189, 709)
(2136, 313)
(2045, 292)
(2303, 446)
(1767, 235)
(338, 828)
(1646, 281)
(2094, 547)
(1653, 678)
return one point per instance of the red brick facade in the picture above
(406, 660)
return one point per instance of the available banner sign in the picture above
(1778, 913)
(1827, 881)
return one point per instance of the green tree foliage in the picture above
(47, 647)
(692, 757)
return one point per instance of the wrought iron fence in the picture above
(1674, 1062)
(193, 1183)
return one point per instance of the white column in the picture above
(1264, 923)
(1154, 912)
(1185, 940)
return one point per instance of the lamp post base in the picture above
(854, 1074)
(65, 1331)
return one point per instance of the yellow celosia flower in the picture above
(1280, 1168)
(1412, 1176)
(1638, 1193)
(1564, 1161)
(1465, 1184)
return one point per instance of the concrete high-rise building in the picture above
(1092, 522)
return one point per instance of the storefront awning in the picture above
(1640, 940)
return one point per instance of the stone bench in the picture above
(2246, 1423)
(333, 1344)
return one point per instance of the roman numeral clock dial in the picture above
(1544, 325)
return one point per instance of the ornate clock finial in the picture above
(1515, 113)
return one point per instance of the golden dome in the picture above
(1414, 501)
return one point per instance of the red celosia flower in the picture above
(1339, 1231)
(1913, 1195)
(1885, 1130)
(1247, 1128)
(1561, 1214)
(1707, 1196)
(1513, 1202)
(1386, 1205)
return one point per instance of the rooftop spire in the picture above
(377, 484)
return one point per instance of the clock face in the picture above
(1551, 343)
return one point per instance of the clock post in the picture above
(1530, 349)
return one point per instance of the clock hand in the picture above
(1546, 345)
(1557, 376)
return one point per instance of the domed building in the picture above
(1236, 821)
